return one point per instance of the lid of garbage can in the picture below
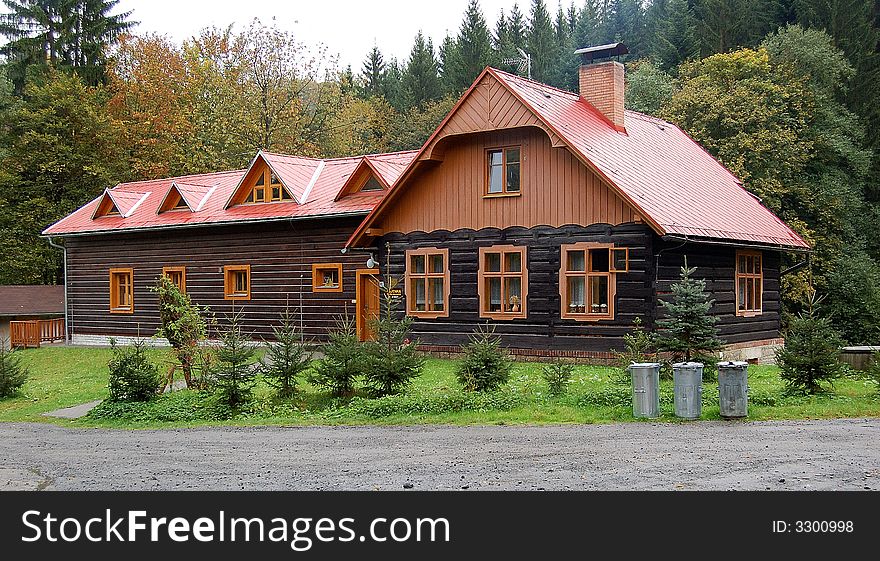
(688, 365)
(733, 364)
(644, 365)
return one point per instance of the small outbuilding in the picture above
(32, 303)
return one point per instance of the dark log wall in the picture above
(543, 328)
(716, 264)
(280, 256)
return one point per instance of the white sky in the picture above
(348, 28)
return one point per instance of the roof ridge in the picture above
(176, 178)
(541, 85)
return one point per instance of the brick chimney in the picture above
(602, 83)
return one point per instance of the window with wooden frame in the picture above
(503, 282)
(121, 291)
(749, 283)
(176, 275)
(267, 188)
(237, 282)
(327, 277)
(588, 279)
(503, 171)
(427, 282)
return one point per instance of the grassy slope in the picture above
(62, 377)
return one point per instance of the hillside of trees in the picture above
(785, 93)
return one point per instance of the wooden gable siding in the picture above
(557, 189)
(489, 107)
(280, 256)
(717, 265)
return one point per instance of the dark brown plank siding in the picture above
(716, 264)
(280, 256)
(543, 327)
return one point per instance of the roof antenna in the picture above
(523, 64)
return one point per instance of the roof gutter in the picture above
(66, 323)
(208, 224)
(754, 245)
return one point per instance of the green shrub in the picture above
(486, 365)
(557, 374)
(287, 358)
(132, 376)
(639, 346)
(13, 374)
(343, 361)
(235, 370)
(182, 324)
(453, 402)
(810, 354)
(391, 360)
(688, 330)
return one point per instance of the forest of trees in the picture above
(785, 93)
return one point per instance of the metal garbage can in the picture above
(688, 381)
(646, 389)
(733, 387)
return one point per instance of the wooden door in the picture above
(367, 302)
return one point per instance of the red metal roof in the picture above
(31, 300)
(678, 186)
(313, 182)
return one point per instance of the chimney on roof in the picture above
(601, 80)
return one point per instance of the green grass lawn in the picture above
(65, 376)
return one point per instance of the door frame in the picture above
(358, 297)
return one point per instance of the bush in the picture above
(287, 358)
(391, 361)
(343, 361)
(235, 371)
(557, 374)
(810, 355)
(13, 374)
(132, 376)
(639, 346)
(181, 323)
(486, 365)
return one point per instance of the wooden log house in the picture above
(557, 217)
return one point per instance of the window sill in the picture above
(428, 315)
(237, 296)
(749, 314)
(501, 195)
(121, 311)
(588, 317)
(336, 288)
(501, 316)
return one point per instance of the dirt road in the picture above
(835, 454)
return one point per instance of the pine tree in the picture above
(445, 59)
(541, 43)
(235, 371)
(688, 330)
(373, 72)
(811, 352)
(587, 31)
(420, 83)
(473, 49)
(566, 73)
(392, 361)
(287, 358)
(624, 21)
(485, 366)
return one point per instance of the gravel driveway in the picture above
(797, 455)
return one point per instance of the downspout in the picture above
(66, 322)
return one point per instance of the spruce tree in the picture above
(689, 331)
(373, 72)
(420, 83)
(392, 361)
(235, 371)
(810, 355)
(287, 358)
(343, 361)
(541, 43)
(587, 31)
(675, 35)
(473, 49)
(13, 374)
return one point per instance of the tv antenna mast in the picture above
(523, 64)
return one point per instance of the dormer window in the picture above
(371, 185)
(267, 188)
